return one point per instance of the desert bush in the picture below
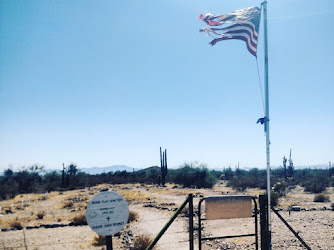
(68, 204)
(316, 184)
(321, 198)
(16, 224)
(99, 240)
(185, 211)
(332, 206)
(252, 179)
(274, 198)
(142, 242)
(191, 176)
(40, 215)
(281, 188)
(80, 220)
(240, 183)
(132, 216)
(43, 198)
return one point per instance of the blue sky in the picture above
(100, 83)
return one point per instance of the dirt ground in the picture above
(155, 206)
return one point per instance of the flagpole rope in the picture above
(260, 84)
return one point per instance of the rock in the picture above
(45, 225)
(295, 208)
(54, 225)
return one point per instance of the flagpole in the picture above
(266, 124)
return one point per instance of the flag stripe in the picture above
(237, 28)
(246, 34)
(250, 49)
(249, 26)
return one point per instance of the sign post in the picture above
(107, 213)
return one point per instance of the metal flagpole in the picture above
(266, 124)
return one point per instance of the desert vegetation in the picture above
(34, 180)
(142, 242)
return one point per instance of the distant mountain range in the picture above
(114, 168)
(100, 170)
(320, 166)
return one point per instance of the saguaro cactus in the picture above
(284, 165)
(163, 162)
(63, 176)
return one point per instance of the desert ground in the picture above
(48, 220)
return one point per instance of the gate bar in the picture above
(291, 229)
(163, 230)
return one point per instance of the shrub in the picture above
(40, 215)
(80, 220)
(316, 184)
(332, 206)
(252, 179)
(190, 176)
(321, 198)
(16, 224)
(280, 188)
(274, 198)
(142, 242)
(132, 216)
(99, 240)
(185, 211)
(68, 204)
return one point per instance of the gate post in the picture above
(191, 222)
(264, 222)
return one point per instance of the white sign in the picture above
(107, 213)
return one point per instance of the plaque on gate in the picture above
(228, 207)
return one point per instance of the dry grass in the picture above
(80, 220)
(133, 196)
(99, 240)
(7, 222)
(68, 204)
(176, 191)
(133, 216)
(142, 242)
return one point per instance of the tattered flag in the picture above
(246, 27)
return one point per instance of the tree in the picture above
(51, 181)
(71, 172)
(8, 173)
(191, 175)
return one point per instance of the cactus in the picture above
(163, 162)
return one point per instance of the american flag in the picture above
(245, 27)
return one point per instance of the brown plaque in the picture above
(228, 206)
